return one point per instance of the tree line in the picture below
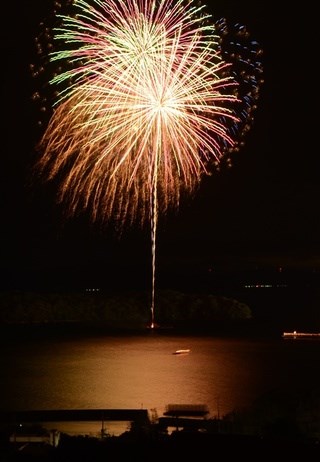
(171, 308)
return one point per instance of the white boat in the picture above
(181, 352)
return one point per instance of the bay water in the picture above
(141, 371)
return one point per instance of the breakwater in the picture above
(74, 415)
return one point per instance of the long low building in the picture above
(74, 415)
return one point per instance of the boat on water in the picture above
(181, 352)
(296, 334)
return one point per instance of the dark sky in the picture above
(263, 212)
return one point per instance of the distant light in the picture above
(263, 286)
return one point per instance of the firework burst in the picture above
(140, 108)
(144, 106)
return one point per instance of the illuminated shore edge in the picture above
(296, 334)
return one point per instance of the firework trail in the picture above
(144, 105)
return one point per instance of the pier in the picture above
(296, 334)
(74, 415)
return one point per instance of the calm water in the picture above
(141, 371)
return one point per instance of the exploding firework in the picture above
(145, 104)
(245, 58)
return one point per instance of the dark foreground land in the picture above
(179, 446)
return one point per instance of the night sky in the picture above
(263, 212)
